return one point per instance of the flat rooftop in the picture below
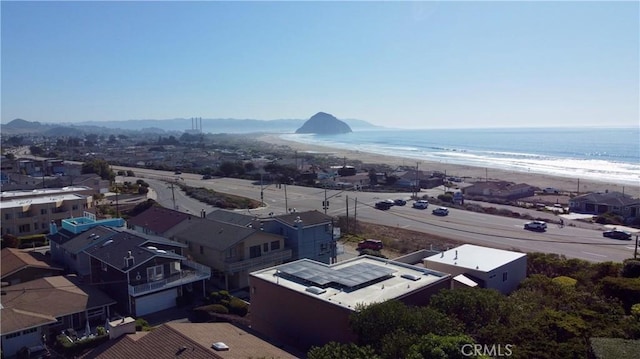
(475, 257)
(26, 202)
(361, 280)
(42, 192)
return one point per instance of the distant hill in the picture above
(20, 126)
(325, 124)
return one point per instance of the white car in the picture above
(536, 225)
(440, 211)
(421, 204)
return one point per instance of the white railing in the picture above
(200, 272)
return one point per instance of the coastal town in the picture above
(95, 264)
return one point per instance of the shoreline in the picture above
(463, 171)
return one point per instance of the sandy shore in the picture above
(472, 173)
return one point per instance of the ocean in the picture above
(603, 154)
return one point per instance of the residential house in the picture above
(307, 303)
(308, 234)
(30, 212)
(233, 251)
(45, 307)
(190, 341)
(160, 221)
(145, 274)
(232, 217)
(68, 242)
(599, 203)
(499, 189)
(19, 266)
(483, 267)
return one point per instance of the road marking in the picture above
(594, 254)
(632, 248)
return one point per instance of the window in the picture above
(74, 207)
(35, 225)
(12, 335)
(265, 247)
(231, 252)
(155, 273)
(43, 211)
(201, 250)
(23, 228)
(504, 276)
(275, 245)
(254, 252)
(32, 330)
(7, 216)
(175, 267)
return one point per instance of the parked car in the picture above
(399, 202)
(551, 190)
(536, 226)
(421, 204)
(617, 234)
(374, 244)
(440, 211)
(383, 205)
(206, 177)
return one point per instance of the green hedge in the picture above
(72, 349)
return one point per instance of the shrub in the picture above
(141, 324)
(625, 289)
(238, 307)
(565, 281)
(446, 198)
(631, 268)
(214, 308)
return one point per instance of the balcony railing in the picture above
(195, 273)
(258, 262)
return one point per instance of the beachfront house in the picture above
(607, 202)
(499, 189)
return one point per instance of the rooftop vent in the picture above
(410, 276)
(315, 290)
(152, 248)
(107, 243)
(161, 251)
(220, 346)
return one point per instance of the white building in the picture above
(484, 267)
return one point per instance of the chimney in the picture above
(456, 254)
(53, 229)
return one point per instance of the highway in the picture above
(574, 240)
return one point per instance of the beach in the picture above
(468, 173)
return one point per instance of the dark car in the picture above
(440, 211)
(383, 205)
(617, 234)
(374, 244)
(206, 177)
(399, 202)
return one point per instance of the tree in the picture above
(99, 167)
(334, 350)
(36, 150)
(446, 347)
(10, 156)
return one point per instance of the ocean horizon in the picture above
(602, 154)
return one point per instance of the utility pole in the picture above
(635, 253)
(117, 206)
(355, 217)
(286, 204)
(347, 210)
(325, 203)
(173, 196)
(261, 191)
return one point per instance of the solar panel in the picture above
(322, 275)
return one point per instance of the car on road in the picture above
(421, 204)
(383, 205)
(206, 177)
(374, 244)
(399, 202)
(617, 234)
(536, 226)
(440, 211)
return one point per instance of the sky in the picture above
(395, 64)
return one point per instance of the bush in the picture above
(565, 281)
(72, 349)
(141, 325)
(214, 308)
(631, 268)
(238, 307)
(627, 290)
(446, 198)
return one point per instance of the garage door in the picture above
(156, 302)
